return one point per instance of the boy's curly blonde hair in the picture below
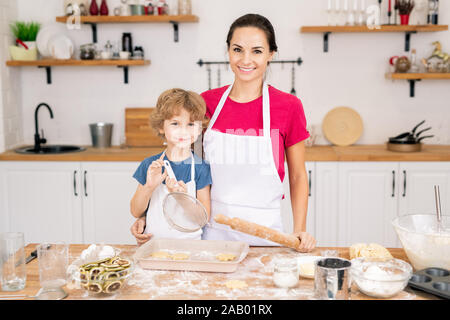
(170, 103)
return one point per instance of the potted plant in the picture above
(25, 34)
(404, 8)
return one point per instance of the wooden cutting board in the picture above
(138, 132)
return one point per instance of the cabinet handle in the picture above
(85, 184)
(393, 183)
(309, 183)
(75, 183)
(404, 183)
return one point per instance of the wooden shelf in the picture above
(412, 78)
(418, 76)
(407, 29)
(75, 62)
(385, 28)
(94, 20)
(128, 19)
(49, 63)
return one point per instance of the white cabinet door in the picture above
(417, 181)
(286, 207)
(367, 202)
(41, 199)
(326, 206)
(107, 190)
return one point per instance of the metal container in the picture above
(332, 279)
(101, 134)
(137, 9)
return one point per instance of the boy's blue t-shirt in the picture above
(182, 170)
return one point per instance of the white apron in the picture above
(156, 223)
(245, 180)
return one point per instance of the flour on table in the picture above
(236, 284)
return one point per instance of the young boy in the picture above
(179, 117)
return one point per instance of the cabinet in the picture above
(75, 202)
(367, 203)
(416, 183)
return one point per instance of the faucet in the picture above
(37, 139)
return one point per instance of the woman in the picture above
(253, 127)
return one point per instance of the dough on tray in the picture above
(236, 284)
(180, 256)
(225, 257)
(372, 251)
(161, 255)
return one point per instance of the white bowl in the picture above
(424, 246)
(380, 279)
(124, 55)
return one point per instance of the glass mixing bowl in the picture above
(424, 245)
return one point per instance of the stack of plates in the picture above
(53, 42)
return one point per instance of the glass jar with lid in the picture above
(87, 51)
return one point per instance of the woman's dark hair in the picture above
(257, 21)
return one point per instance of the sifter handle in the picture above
(170, 172)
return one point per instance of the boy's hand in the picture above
(175, 186)
(137, 230)
(154, 173)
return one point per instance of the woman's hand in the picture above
(175, 186)
(137, 230)
(307, 241)
(154, 173)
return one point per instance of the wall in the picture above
(11, 133)
(350, 74)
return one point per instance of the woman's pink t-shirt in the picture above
(287, 119)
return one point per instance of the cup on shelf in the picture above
(124, 55)
(106, 55)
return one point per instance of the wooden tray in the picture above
(202, 255)
(138, 132)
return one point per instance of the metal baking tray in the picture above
(202, 255)
(432, 280)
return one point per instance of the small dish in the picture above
(124, 55)
(306, 266)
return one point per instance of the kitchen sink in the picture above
(50, 149)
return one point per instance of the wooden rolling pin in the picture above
(259, 231)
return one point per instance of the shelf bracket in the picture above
(175, 30)
(412, 86)
(325, 41)
(408, 39)
(94, 31)
(125, 73)
(48, 71)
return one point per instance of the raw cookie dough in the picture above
(371, 251)
(236, 284)
(307, 270)
(180, 256)
(161, 255)
(226, 257)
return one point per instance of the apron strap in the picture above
(266, 109)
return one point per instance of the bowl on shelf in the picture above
(380, 279)
(424, 245)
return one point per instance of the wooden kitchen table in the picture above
(255, 270)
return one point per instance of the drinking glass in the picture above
(13, 274)
(53, 261)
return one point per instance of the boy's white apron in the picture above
(156, 223)
(245, 180)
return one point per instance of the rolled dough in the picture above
(161, 255)
(225, 257)
(236, 284)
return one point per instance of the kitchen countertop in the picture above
(315, 153)
(255, 270)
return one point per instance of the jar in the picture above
(184, 7)
(285, 273)
(87, 51)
